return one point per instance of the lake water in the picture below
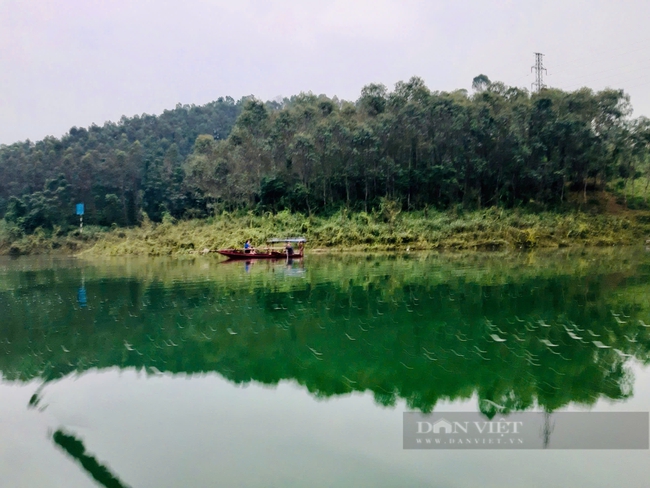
(198, 373)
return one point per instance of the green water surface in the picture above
(195, 372)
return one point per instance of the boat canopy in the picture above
(287, 239)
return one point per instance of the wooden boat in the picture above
(239, 254)
(266, 253)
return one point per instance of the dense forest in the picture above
(119, 170)
(411, 147)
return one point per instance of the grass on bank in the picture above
(486, 229)
(14, 242)
(387, 229)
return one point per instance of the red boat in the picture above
(267, 253)
(239, 254)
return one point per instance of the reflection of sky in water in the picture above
(208, 432)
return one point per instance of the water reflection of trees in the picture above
(426, 335)
(75, 448)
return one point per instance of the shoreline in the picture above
(484, 230)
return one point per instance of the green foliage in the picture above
(419, 149)
(384, 229)
(480, 83)
(117, 170)
(14, 241)
(42, 209)
(500, 147)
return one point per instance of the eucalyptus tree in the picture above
(500, 145)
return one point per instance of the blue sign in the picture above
(80, 208)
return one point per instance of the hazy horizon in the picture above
(90, 61)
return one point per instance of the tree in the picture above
(480, 83)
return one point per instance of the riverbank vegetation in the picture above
(409, 167)
(386, 229)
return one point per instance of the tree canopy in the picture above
(414, 147)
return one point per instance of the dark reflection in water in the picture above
(76, 449)
(516, 331)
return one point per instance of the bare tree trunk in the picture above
(365, 202)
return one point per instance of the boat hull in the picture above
(238, 254)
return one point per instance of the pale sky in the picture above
(71, 63)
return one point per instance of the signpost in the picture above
(80, 213)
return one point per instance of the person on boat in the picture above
(248, 248)
(288, 249)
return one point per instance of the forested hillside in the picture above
(411, 148)
(118, 170)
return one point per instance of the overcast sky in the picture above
(71, 63)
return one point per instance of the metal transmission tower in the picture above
(539, 77)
